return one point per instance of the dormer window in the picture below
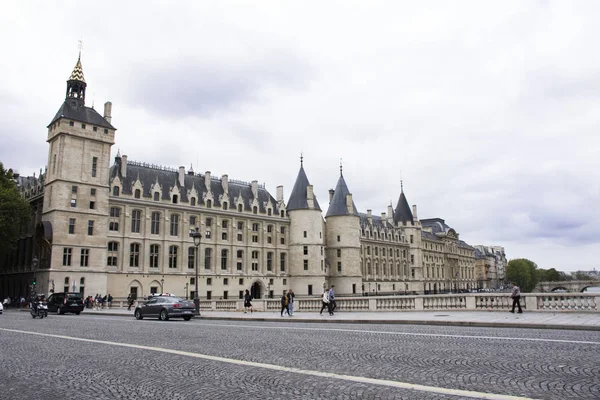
(156, 196)
(208, 203)
(137, 193)
(175, 199)
(115, 191)
(224, 205)
(240, 207)
(193, 201)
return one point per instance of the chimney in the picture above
(279, 193)
(331, 193)
(310, 196)
(415, 212)
(349, 204)
(181, 176)
(383, 217)
(255, 189)
(391, 213)
(108, 111)
(370, 217)
(225, 183)
(124, 166)
(207, 180)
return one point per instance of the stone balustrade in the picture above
(489, 301)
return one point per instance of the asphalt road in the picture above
(96, 357)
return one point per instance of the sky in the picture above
(487, 111)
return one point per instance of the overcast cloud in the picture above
(489, 112)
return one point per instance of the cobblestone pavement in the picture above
(540, 364)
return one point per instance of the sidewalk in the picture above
(497, 319)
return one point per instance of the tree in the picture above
(15, 212)
(523, 272)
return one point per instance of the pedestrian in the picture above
(129, 302)
(516, 296)
(325, 302)
(291, 296)
(284, 303)
(109, 300)
(332, 303)
(247, 302)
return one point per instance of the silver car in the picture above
(165, 307)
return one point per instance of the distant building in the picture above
(495, 264)
(124, 228)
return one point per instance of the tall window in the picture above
(154, 249)
(113, 248)
(136, 217)
(207, 258)
(191, 257)
(172, 256)
(282, 262)
(174, 224)
(71, 225)
(137, 194)
(269, 261)
(339, 253)
(255, 260)
(67, 251)
(224, 254)
(90, 228)
(193, 201)
(255, 227)
(306, 265)
(134, 255)
(305, 249)
(115, 212)
(339, 266)
(155, 223)
(85, 255)
(115, 191)
(156, 196)
(94, 165)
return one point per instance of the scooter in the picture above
(42, 310)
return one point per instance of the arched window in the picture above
(193, 201)
(282, 214)
(254, 210)
(134, 255)
(173, 256)
(156, 196)
(66, 280)
(225, 205)
(138, 193)
(208, 203)
(82, 282)
(115, 191)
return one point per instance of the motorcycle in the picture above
(40, 311)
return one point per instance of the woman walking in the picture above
(247, 302)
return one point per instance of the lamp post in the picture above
(162, 287)
(186, 290)
(197, 236)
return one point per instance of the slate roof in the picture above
(337, 206)
(437, 225)
(73, 109)
(169, 178)
(429, 236)
(297, 199)
(402, 212)
(377, 221)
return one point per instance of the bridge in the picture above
(569, 286)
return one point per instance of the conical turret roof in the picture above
(338, 206)
(298, 199)
(402, 212)
(77, 74)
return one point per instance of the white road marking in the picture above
(351, 378)
(287, 327)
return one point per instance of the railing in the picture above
(568, 302)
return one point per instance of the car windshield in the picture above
(74, 296)
(176, 299)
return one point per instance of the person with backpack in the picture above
(247, 302)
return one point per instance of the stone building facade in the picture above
(124, 228)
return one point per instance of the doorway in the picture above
(255, 290)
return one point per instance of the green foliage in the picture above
(523, 272)
(550, 275)
(15, 212)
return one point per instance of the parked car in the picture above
(165, 307)
(65, 303)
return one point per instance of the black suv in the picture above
(65, 303)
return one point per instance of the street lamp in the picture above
(186, 290)
(162, 287)
(197, 236)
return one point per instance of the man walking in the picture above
(332, 303)
(516, 296)
(284, 303)
(291, 296)
(325, 302)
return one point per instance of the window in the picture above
(67, 251)
(115, 212)
(224, 235)
(113, 246)
(154, 248)
(207, 258)
(225, 224)
(71, 123)
(175, 199)
(239, 266)
(269, 261)
(338, 238)
(90, 228)
(173, 256)
(155, 223)
(285, 282)
(225, 281)
(192, 220)
(115, 191)
(254, 210)
(137, 194)
(305, 250)
(282, 262)
(240, 237)
(174, 225)
(92, 205)
(105, 131)
(94, 164)
(73, 203)
(339, 266)
(254, 238)
(255, 227)
(282, 240)
(208, 222)
(282, 230)
(306, 265)
(225, 205)
(209, 281)
(412, 259)
(71, 225)
(193, 201)
(85, 255)
(339, 253)
(191, 257)
(411, 238)
(224, 254)
(92, 192)
(136, 217)
(113, 226)
(208, 294)
(134, 255)
(95, 128)
(305, 233)
(74, 189)
(240, 225)
(255, 261)
(240, 208)
(310, 290)
(156, 196)
(83, 127)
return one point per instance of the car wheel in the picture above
(78, 312)
(58, 310)
(138, 314)
(187, 317)
(164, 316)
